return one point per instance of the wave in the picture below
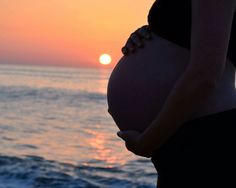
(55, 72)
(28, 93)
(37, 172)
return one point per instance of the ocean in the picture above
(55, 132)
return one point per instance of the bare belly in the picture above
(141, 82)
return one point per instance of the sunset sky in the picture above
(67, 32)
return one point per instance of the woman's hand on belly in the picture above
(133, 142)
(136, 40)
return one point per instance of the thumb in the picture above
(125, 135)
(121, 134)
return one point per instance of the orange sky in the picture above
(67, 32)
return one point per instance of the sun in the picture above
(105, 59)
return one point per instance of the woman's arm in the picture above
(211, 26)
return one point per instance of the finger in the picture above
(146, 28)
(147, 156)
(119, 133)
(124, 50)
(127, 137)
(130, 147)
(144, 32)
(123, 135)
(136, 40)
(130, 46)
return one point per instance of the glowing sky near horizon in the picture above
(67, 32)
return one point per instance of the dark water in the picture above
(34, 171)
(55, 132)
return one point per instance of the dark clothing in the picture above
(171, 19)
(200, 154)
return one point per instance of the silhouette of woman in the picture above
(173, 96)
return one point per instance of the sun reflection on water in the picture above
(58, 124)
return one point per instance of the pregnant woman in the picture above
(174, 100)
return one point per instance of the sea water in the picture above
(55, 132)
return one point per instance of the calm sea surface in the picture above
(55, 132)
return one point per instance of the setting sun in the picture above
(105, 59)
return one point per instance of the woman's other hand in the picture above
(133, 142)
(136, 39)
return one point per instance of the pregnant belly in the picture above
(140, 83)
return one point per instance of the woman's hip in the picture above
(200, 141)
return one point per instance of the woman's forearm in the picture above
(189, 93)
